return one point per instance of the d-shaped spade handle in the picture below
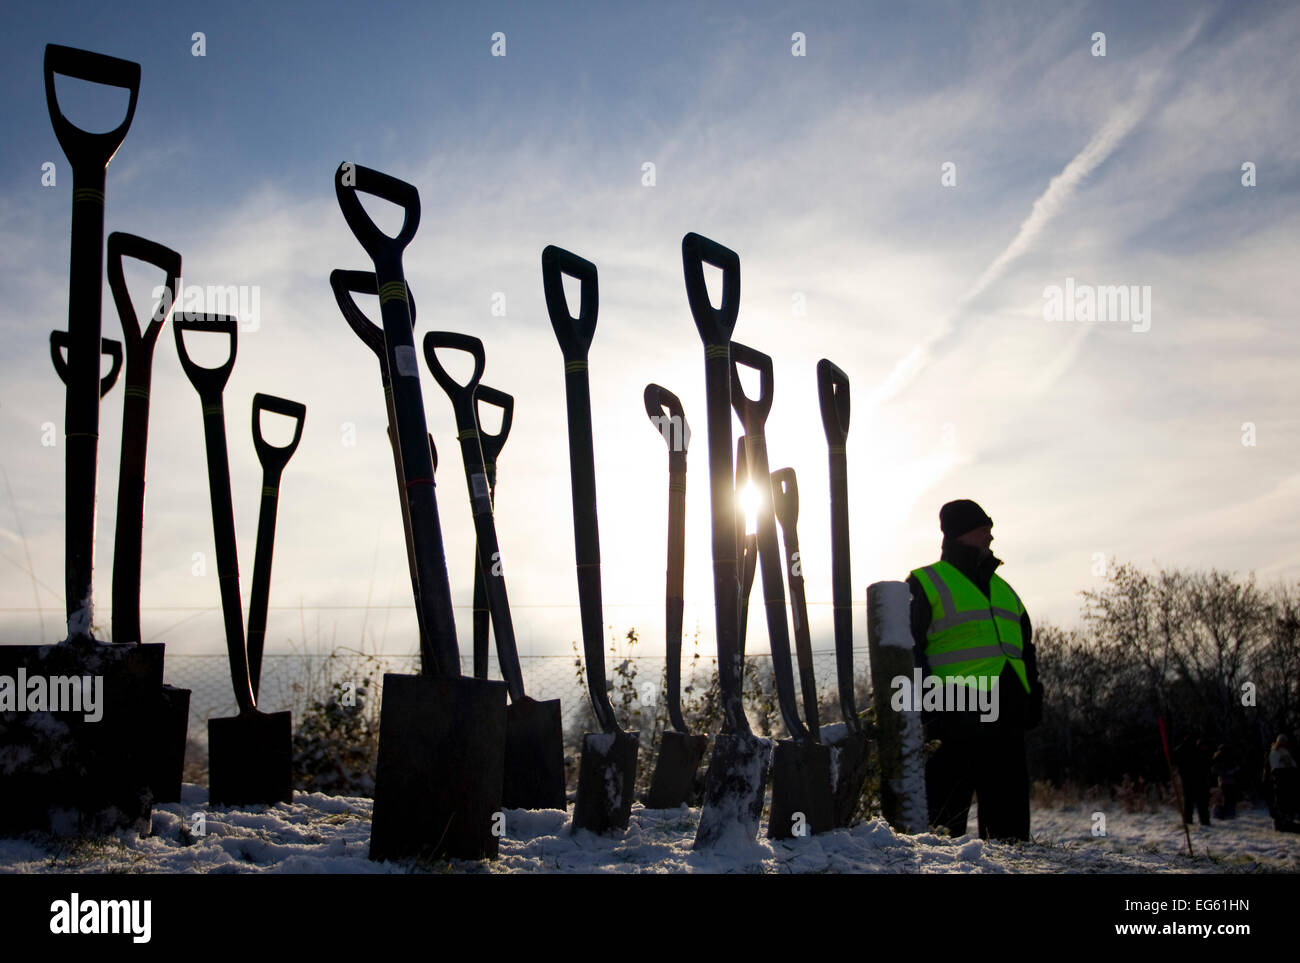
(209, 382)
(275, 457)
(493, 443)
(113, 349)
(574, 334)
(348, 283)
(351, 179)
(715, 324)
(833, 393)
(121, 246)
(785, 498)
(751, 411)
(665, 412)
(82, 146)
(461, 395)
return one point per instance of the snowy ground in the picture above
(331, 834)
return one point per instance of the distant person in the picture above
(1226, 766)
(1192, 757)
(971, 631)
(1284, 786)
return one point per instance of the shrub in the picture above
(337, 739)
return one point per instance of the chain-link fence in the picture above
(636, 683)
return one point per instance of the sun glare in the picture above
(749, 503)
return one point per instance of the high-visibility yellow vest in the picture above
(971, 634)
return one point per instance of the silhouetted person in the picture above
(1226, 766)
(1192, 757)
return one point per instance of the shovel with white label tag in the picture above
(441, 735)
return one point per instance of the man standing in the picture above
(1192, 757)
(972, 633)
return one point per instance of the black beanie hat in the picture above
(962, 516)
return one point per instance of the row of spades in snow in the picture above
(454, 750)
(72, 771)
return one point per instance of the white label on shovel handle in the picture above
(404, 356)
(478, 486)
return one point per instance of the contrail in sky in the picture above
(1048, 204)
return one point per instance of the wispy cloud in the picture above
(825, 179)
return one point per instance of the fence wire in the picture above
(637, 683)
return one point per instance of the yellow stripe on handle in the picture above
(88, 195)
(134, 391)
(212, 409)
(573, 367)
(270, 490)
(837, 450)
(392, 291)
(468, 434)
(717, 351)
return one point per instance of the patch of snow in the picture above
(911, 787)
(317, 833)
(889, 606)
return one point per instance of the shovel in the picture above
(491, 446)
(89, 155)
(851, 767)
(441, 736)
(785, 498)
(736, 780)
(249, 755)
(167, 756)
(607, 773)
(345, 284)
(680, 752)
(135, 420)
(801, 766)
(534, 760)
(65, 773)
(273, 459)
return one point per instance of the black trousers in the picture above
(1196, 796)
(984, 759)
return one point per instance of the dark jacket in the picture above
(1193, 762)
(1018, 706)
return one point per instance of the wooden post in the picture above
(898, 716)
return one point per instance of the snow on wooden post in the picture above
(901, 745)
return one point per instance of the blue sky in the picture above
(822, 171)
